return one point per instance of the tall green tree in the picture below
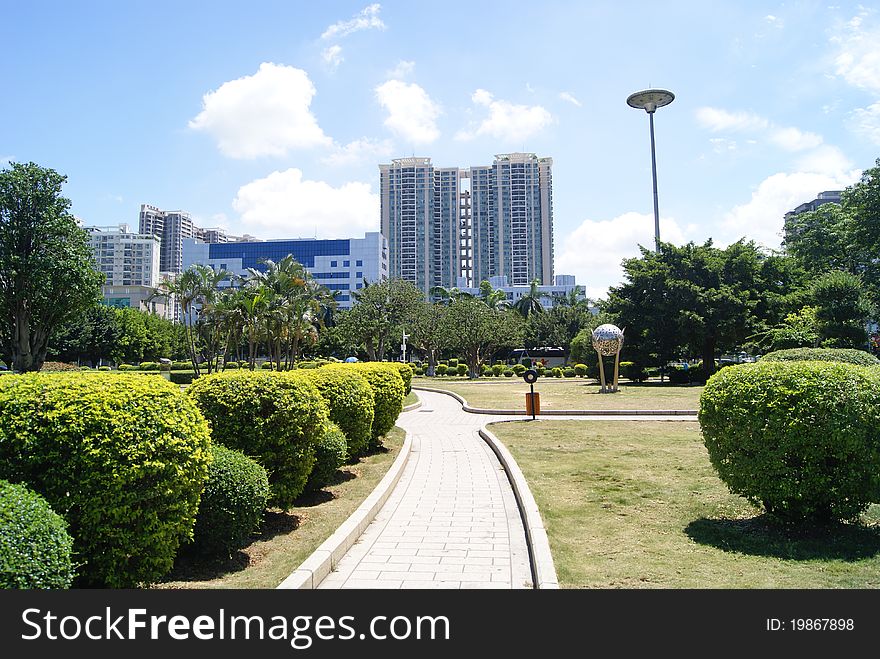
(46, 273)
(475, 331)
(842, 309)
(427, 331)
(383, 310)
(530, 303)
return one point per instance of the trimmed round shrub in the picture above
(85, 368)
(330, 454)
(121, 457)
(845, 355)
(232, 503)
(632, 371)
(182, 377)
(35, 546)
(441, 369)
(556, 372)
(126, 367)
(461, 369)
(540, 370)
(306, 365)
(275, 417)
(519, 369)
(580, 370)
(497, 369)
(406, 373)
(149, 366)
(267, 366)
(418, 370)
(388, 395)
(569, 372)
(181, 366)
(508, 372)
(453, 363)
(230, 366)
(350, 400)
(104, 368)
(801, 439)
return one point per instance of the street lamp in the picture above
(649, 100)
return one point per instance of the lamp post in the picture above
(649, 100)
(403, 347)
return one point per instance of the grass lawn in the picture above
(287, 538)
(638, 505)
(568, 394)
(411, 399)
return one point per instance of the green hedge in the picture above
(276, 417)
(35, 546)
(330, 454)
(632, 371)
(149, 366)
(350, 400)
(232, 503)
(181, 366)
(182, 377)
(122, 457)
(844, 355)
(802, 439)
(388, 394)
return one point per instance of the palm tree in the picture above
(494, 298)
(530, 302)
(448, 295)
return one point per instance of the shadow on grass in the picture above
(760, 536)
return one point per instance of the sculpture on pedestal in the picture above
(608, 340)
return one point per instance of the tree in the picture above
(530, 303)
(474, 330)
(426, 331)
(842, 308)
(380, 312)
(46, 273)
(494, 298)
(696, 299)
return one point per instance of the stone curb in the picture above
(543, 570)
(480, 410)
(410, 408)
(313, 569)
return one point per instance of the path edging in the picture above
(481, 410)
(543, 569)
(318, 565)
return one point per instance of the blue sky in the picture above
(271, 117)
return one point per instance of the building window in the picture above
(359, 263)
(346, 264)
(360, 275)
(334, 264)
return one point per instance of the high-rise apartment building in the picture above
(172, 228)
(479, 222)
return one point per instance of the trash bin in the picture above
(533, 404)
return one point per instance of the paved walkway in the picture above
(451, 522)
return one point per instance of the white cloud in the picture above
(857, 57)
(265, 114)
(594, 250)
(506, 121)
(401, 70)
(333, 56)
(359, 151)
(285, 205)
(866, 122)
(567, 96)
(367, 19)
(717, 120)
(792, 139)
(761, 218)
(722, 144)
(411, 113)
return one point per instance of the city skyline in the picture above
(271, 119)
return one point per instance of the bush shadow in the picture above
(763, 536)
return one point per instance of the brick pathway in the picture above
(451, 522)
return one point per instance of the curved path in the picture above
(452, 520)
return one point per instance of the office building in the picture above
(827, 197)
(341, 265)
(479, 222)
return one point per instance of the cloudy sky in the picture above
(271, 117)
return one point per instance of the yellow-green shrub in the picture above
(388, 395)
(275, 417)
(350, 398)
(121, 457)
(330, 454)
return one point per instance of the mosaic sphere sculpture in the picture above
(607, 339)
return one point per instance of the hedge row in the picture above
(122, 458)
(844, 355)
(388, 392)
(351, 404)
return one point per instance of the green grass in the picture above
(288, 537)
(568, 394)
(410, 399)
(638, 505)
